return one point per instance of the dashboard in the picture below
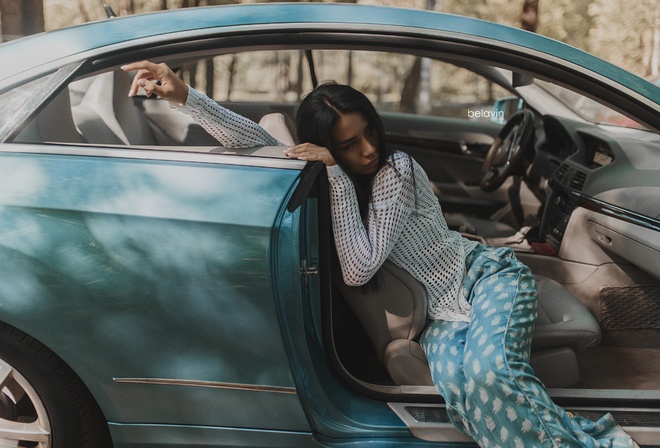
(612, 175)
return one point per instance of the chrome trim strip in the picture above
(438, 428)
(589, 394)
(176, 154)
(207, 384)
(621, 213)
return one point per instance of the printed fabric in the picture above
(482, 370)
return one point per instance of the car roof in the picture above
(45, 49)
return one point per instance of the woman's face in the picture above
(357, 144)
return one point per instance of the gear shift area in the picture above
(518, 241)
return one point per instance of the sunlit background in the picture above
(623, 32)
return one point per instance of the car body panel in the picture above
(152, 261)
(176, 283)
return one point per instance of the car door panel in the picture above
(165, 268)
(452, 153)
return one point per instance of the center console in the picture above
(561, 202)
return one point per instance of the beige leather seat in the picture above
(395, 315)
(53, 124)
(277, 125)
(107, 115)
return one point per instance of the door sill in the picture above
(430, 422)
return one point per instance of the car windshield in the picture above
(587, 108)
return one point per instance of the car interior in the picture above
(580, 208)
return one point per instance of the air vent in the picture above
(561, 173)
(577, 182)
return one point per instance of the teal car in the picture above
(159, 290)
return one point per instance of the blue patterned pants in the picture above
(482, 370)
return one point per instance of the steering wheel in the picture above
(505, 155)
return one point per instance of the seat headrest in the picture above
(276, 125)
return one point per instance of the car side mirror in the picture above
(504, 108)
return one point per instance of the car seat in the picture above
(53, 124)
(394, 316)
(278, 126)
(107, 115)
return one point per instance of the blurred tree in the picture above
(411, 87)
(569, 21)
(416, 92)
(603, 27)
(19, 18)
(529, 18)
(625, 33)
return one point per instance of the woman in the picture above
(482, 301)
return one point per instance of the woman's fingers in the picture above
(157, 79)
(310, 153)
(305, 151)
(145, 71)
(301, 151)
(141, 65)
(150, 87)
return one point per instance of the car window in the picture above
(19, 102)
(587, 108)
(96, 109)
(394, 82)
(279, 76)
(404, 83)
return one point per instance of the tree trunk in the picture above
(20, 18)
(411, 88)
(82, 11)
(416, 92)
(529, 18)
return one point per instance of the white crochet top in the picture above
(231, 129)
(404, 222)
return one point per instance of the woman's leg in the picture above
(504, 402)
(507, 402)
(444, 345)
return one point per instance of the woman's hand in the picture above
(157, 79)
(311, 153)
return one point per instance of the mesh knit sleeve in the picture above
(229, 128)
(363, 247)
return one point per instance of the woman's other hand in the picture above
(157, 79)
(311, 153)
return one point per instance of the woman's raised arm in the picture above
(229, 128)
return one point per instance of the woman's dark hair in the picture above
(317, 116)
